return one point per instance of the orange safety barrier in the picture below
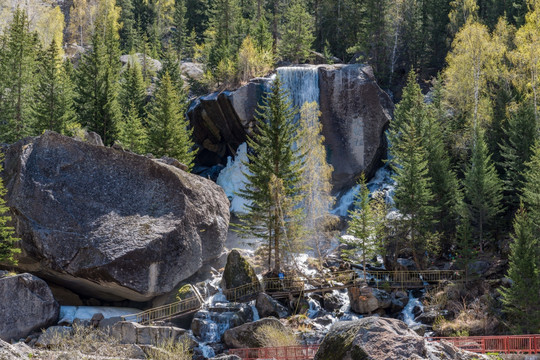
(516, 344)
(277, 353)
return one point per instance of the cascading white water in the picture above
(408, 311)
(382, 181)
(301, 82)
(233, 179)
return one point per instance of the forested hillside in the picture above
(463, 141)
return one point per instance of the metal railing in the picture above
(165, 311)
(517, 344)
(400, 279)
(277, 353)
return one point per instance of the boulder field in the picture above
(107, 223)
(354, 114)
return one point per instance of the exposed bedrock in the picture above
(107, 223)
(355, 113)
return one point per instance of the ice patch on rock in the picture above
(70, 313)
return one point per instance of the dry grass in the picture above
(172, 350)
(90, 343)
(271, 336)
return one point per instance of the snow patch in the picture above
(233, 179)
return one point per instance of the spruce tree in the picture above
(7, 232)
(520, 300)
(97, 77)
(483, 191)
(52, 108)
(133, 89)
(133, 135)
(21, 49)
(365, 224)
(297, 38)
(274, 164)
(413, 196)
(171, 65)
(531, 188)
(169, 133)
(180, 29)
(517, 151)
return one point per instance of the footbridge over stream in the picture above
(300, 285)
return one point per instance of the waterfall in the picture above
(233, 178)
(302, 83)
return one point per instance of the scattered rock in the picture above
(110, 224)
(152, 64)
(238, 272)
(383, 339)
(53, 336)
(133, 333)
(26, 304)
(332, 302)
(399, 299)
(192, 70)
(268, 306)
(10, 352)
(479, 267)
(362, 300)
(244, 336)
(96, 319)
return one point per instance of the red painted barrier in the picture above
(516, 344)
(277, 353)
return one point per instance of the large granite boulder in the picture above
(238, 272)
(26, 304)
(268, 306)
(355, 113)
(375, 338)
(245, 336)
(107, 223)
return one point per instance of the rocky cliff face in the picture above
(355, 113)
(107, 223)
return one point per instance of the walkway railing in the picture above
(517, 344)
(277, 353)
(165, 311)
(282, 287)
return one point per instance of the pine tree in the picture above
(365, 224)
(180, 28)
(169, 133)
(133, 134)
(21, 48)
(517, 151)
(171, 65)
(7, 233)
(297, 38)
(483, 191)
(317, 174)
(52, 108)
(133, 89)
(531, 187)
(465, 248)
(128, 31)
(275, 169)
(520, 300)
(413, 194)
(98, 74)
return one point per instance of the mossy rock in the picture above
(185, 292)
(238, 271)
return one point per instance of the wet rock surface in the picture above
(355, 113)
(26, 305)
(110, 223)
